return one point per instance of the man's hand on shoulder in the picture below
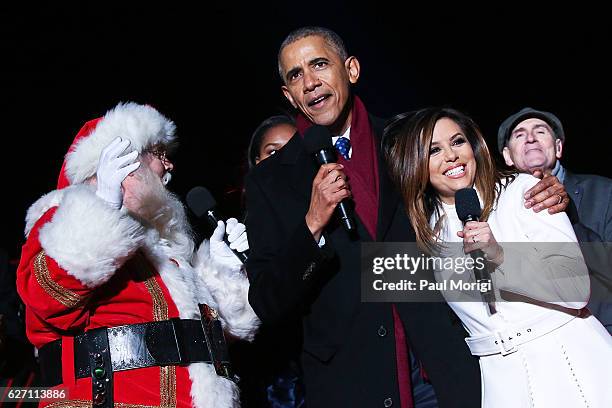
(549, 194)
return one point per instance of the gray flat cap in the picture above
(505, 129)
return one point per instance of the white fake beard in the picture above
(155, 206)
(149, 199)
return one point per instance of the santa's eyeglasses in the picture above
(159, 152)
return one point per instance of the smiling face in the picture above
(532, 146)
(317, 81)
(452, 165)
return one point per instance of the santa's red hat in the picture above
(142, 125)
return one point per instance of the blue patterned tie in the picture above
(343, 145)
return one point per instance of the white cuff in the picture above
(89, 239)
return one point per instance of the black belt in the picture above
(168, 342)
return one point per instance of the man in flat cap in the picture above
(532, 140)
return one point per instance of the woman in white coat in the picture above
(538, 344)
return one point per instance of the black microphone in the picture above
(202, 204)
(318, 142)
(468, 209)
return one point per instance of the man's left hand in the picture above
(548, 193)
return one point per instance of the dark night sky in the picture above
(213, 71)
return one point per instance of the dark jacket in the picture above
(591, 201)
(348, 347)
(590, 211)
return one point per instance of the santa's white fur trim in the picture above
(210, 390)
(41, 206)
(230, 289)
(142, 125)
(88, 238)
(176, 272)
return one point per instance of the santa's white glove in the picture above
(113, 169)
(220, 253)
(237, 235)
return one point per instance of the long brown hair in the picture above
(407, 143)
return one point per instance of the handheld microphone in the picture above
(317, 141)
(202, 205)
(468, 209)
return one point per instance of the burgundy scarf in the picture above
(362, 168)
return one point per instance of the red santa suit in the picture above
(87, 265)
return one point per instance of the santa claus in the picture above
(120, 307)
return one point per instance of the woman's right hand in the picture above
(478, 235)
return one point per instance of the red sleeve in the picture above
(52, 297)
